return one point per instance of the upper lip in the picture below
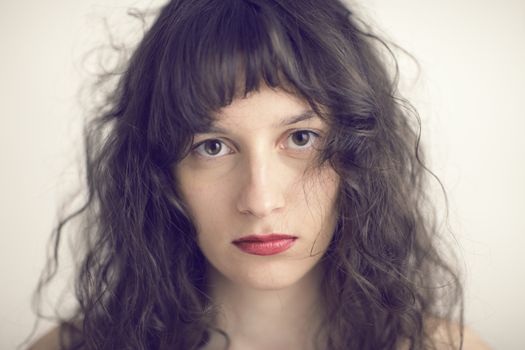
(263, 238)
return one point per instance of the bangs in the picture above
(226, 49)
(214, 51)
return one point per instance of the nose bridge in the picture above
(261, 191)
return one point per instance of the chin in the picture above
(271, 277)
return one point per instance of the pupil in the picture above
(213, 147)
(301, 138)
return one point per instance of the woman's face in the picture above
(264, 217)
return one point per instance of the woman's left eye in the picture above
(302, 139)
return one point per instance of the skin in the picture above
(471, 340)
(260, 179)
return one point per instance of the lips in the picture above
(264, 245)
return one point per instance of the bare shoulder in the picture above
(446, 335)
(50, 341)
(472, 341)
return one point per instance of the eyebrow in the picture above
(309, 114)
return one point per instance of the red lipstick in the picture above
(265, 244)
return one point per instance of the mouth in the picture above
(264, 245)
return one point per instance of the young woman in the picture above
(256, 182)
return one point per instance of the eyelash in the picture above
(311, 141)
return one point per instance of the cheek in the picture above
(320, 191)
(207, 201)
(315, 210)
(320, 197)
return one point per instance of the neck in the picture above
(287, 318)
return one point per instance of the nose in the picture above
(261, 191)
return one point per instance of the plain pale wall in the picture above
(470, 95)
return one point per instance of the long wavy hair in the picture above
(141, 279)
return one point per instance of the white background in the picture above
(470, 94)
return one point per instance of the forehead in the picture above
(265, 107)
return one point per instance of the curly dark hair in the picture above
(141, 282)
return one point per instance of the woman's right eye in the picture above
(212, 148)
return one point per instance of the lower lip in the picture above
(271, 247)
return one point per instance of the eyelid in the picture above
(313, 131)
